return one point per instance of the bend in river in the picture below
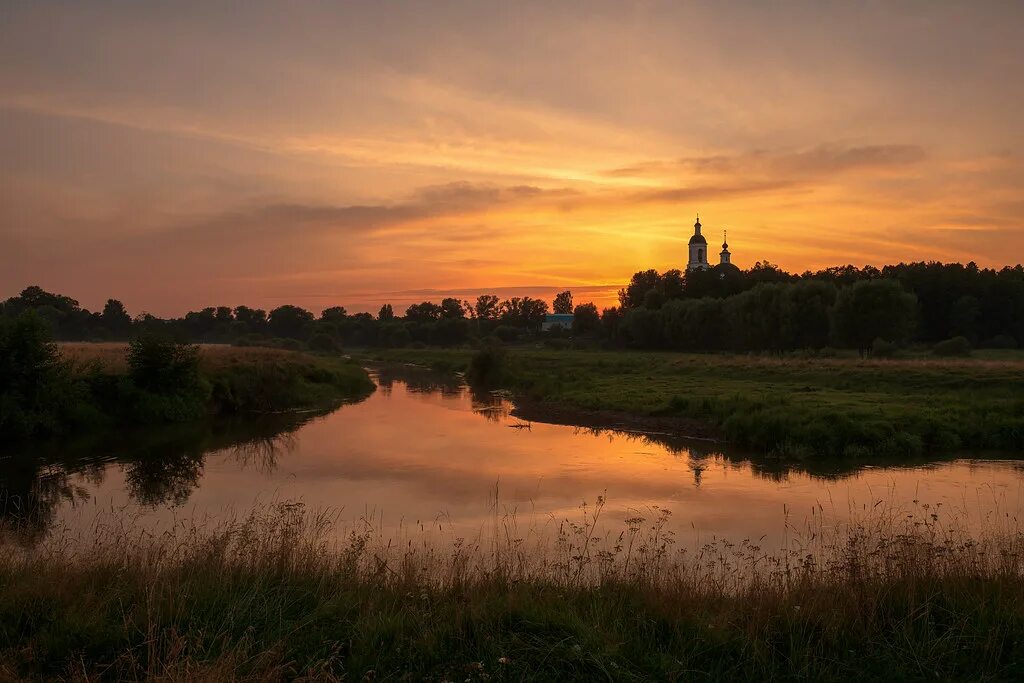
(426, 454)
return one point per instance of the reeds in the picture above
(893, 594)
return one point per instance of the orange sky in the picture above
(181, 155)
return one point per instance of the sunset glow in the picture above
(178, 155)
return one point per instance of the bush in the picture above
(957, 346)
(488, 367)
(36, 389)
(162, 365)
(881, 348)
(164, 382)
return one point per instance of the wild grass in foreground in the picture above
(891, 597)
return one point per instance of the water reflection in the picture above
(427, 449)
(161, 466)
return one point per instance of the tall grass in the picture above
(896, 594)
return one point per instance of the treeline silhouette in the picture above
(765, 308)
(760, 309)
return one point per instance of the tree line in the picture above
(724, 308)
(448, 323)
(767, 309)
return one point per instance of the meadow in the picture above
(113, 356)
(895, 595)
(790, 406)
(51, 389)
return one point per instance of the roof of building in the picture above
(558, 318)
(697, 237)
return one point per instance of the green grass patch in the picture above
(789, 406)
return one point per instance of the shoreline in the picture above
(675, 426)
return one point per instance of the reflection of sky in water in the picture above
(422, 452)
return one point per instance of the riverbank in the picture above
(71, 388)
(791, 407)
(247, 379)
(890, 597)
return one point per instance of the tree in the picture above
(223, 315)
(116, 319)
(35, 384)
(585, 319)
(964, 316)
(562, 303)
(386, 313)
(290, 321)
(333, 314)
(486, 307)
(642, 282)
(873, 309)
(452, 309)
(424, 312)
(524, 312)
(804, 316)
(254, 319)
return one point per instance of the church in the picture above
(699, 251)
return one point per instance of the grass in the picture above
(112, 356)
(98, 391)
(896, 595)
(247, 379)
(794, 407)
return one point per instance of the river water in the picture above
(424, 454)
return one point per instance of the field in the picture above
(112, 355)
(794, 407)
(892, 596)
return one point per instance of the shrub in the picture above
(36, 388)
(488, 366)
(957, 346)
(164, 382)
(162, 365)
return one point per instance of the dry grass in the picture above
(895, 595)
(112, 355)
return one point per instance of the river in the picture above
(425, 455)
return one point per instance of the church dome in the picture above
(697, 237)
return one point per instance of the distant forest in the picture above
(764, 308)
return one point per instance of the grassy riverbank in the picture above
(244, 380)
(49, 389)
(887, 598)
(795, 407)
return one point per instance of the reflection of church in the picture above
(699, 251)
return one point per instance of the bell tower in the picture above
(698, 249)
(724, 256)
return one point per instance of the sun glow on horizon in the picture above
(340, 156)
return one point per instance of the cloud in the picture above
(804, 163)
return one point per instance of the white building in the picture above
(699, 250)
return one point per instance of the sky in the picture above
(177, 155)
